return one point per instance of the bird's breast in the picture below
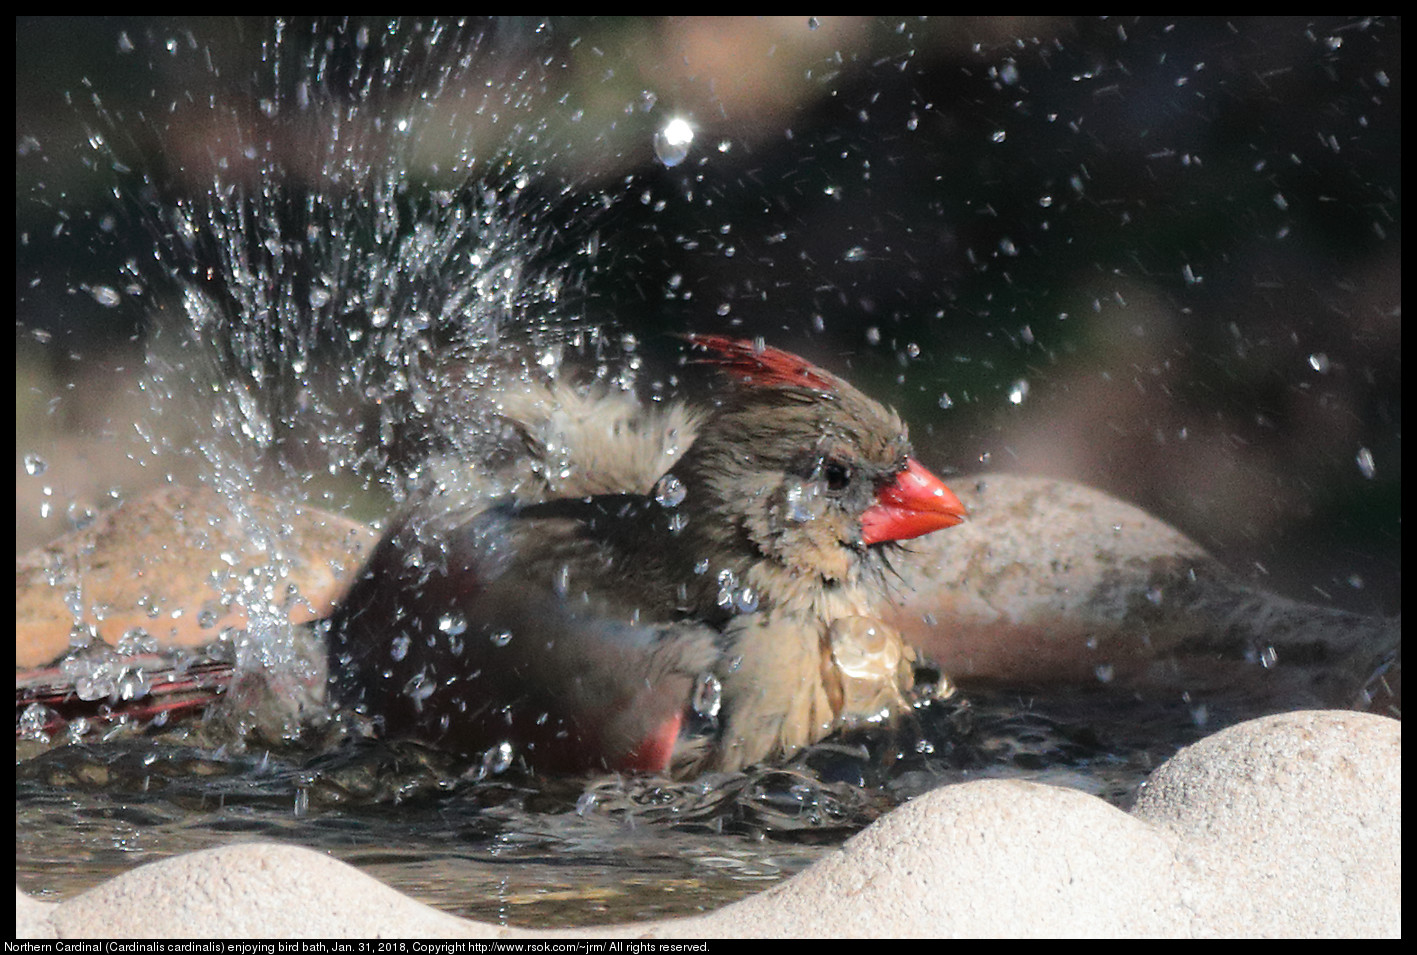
(814, 660)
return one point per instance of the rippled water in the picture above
(561, 852)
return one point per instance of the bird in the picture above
(666, 587)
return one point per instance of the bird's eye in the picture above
(836, 474)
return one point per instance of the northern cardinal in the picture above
(675, 588)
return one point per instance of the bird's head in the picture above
(804, 466)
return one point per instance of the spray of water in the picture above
(362, 240)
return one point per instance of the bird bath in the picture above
(313, 238)
(510, 850)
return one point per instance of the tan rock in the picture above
(177, 563)
(1052, 582)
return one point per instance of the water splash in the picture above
(325, 297)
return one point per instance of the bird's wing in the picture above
(501, 631)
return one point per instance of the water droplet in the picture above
(94, 670)
(727, 584)
(501, 638)
(131, 684)
(1018, 391)
(1200, 714)
(672, 142)
(670, 491)
(35, 465)
(799, 498)
(31, 724)
(105, 295)
(745, 600)
(1318, 361)
(1104, 672)
(398, 647)
(707, 698)
(999, 136)
(419, 688)
(1366, 465)
(854, 254)
(136, 642)
(496, 760)
(77, 730)
(946, 402)
(452, 624)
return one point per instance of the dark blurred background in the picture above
(1157, 256)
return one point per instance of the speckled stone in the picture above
(1290, 825)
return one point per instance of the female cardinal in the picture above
(659, 589)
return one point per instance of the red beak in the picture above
(915, 503)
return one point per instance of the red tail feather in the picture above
(175, 693)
